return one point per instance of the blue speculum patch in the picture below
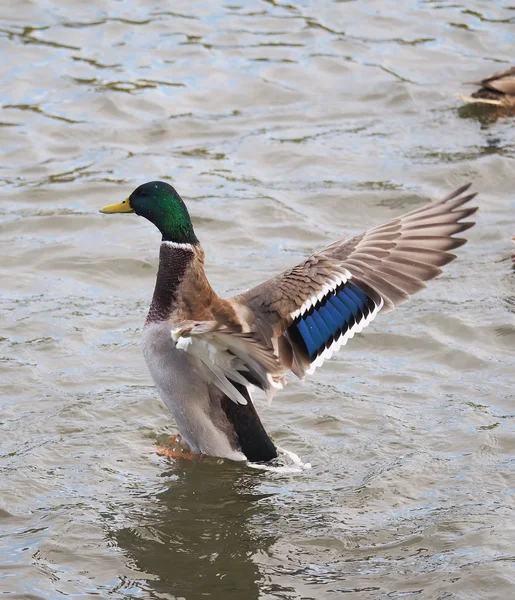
(325, 322)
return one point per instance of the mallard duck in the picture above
(204, 352)
(496, 90)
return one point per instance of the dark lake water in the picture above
(284, 125)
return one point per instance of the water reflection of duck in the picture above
(496, 90)
(201, 533)
(204, 352)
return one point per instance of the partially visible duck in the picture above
(496, 90)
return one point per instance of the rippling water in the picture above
(284, 126)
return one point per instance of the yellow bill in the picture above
(119, 207)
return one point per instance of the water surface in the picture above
(283, 126)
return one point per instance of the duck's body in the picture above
(194, 402)
(204, 352)
(204, 415)
(496, 90)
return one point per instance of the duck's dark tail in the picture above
(254, 441)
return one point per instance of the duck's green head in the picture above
(158, 202)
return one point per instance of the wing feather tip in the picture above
(459, 191)
(464, 226)
(465, 212)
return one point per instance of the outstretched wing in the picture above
(310, 311)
